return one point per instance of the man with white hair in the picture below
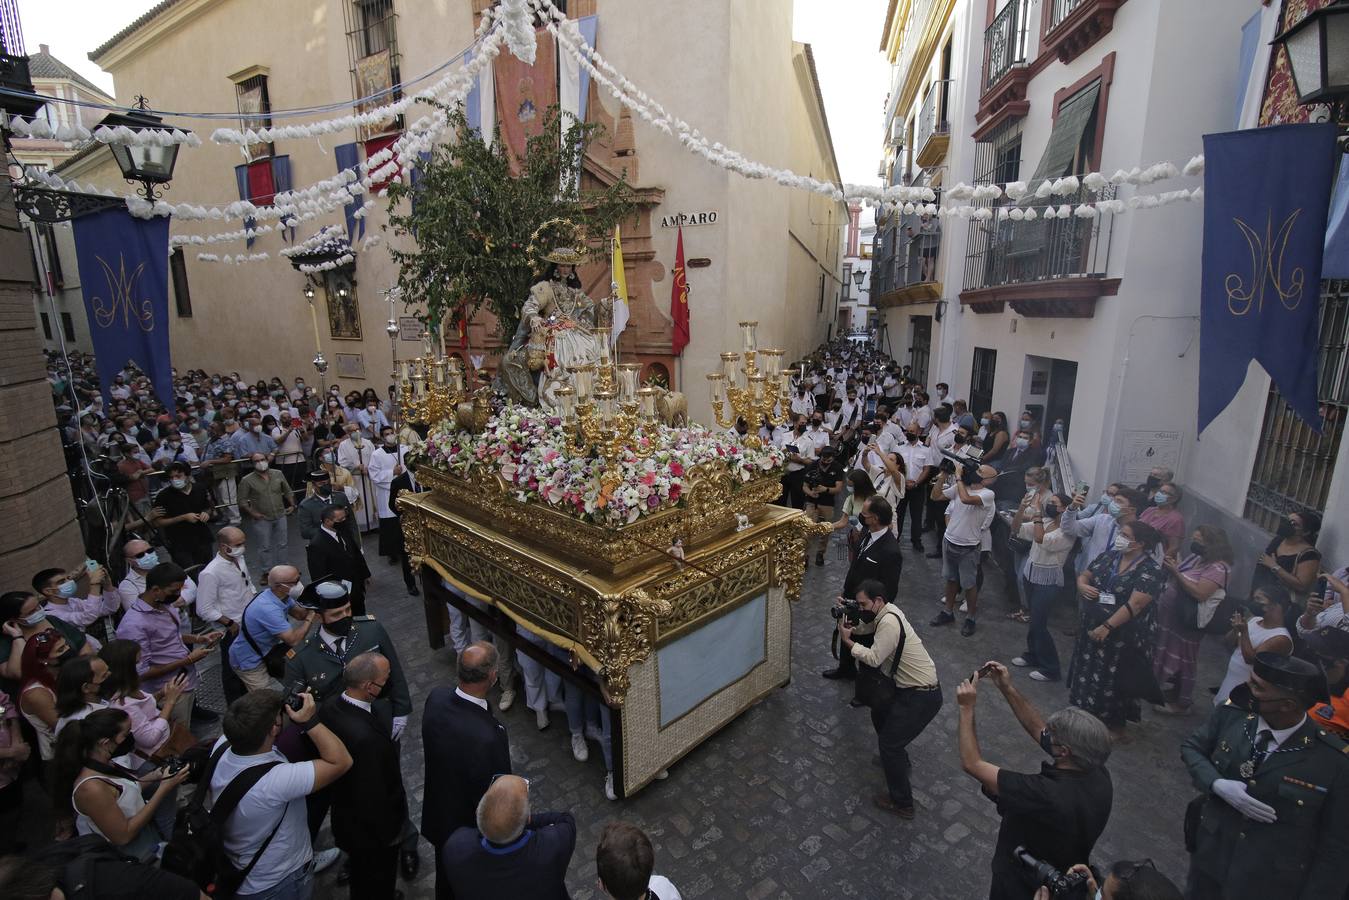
(1056, 815)
(271, 619)
(512, 853)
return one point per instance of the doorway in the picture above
(981, 380)
(1047, 392)
(920, 347)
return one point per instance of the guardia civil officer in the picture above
(1273, 820)
(317, 665)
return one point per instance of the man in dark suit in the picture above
(464, 747)
(331, 554)
(510, 853)
(878, 559)
(369, 804)
(1024, 454)
(401, 483)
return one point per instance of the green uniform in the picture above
(1306, 781)
(320, 669)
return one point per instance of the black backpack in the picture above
(197, 849)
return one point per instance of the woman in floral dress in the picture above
(1118, 618)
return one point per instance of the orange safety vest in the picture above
(1333, 716)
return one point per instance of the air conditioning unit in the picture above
(897, 131)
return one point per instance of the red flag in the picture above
(463, 331)
(679, 300)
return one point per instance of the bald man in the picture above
(464, 747)
(271, 619)
(225, 589)
(511, 852)
(967, 537)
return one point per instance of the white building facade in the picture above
(1089, 323)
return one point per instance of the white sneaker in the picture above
(609, 786)
(594, 733)
(507, 699)
(1019, 662)
(1037, 675)
(578, 747)
(541, 718)
(324, 859)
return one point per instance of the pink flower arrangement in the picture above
(529, 452)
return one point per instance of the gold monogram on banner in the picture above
(1267, 252)
(120, 300)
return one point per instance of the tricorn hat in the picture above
(1302, 678)
(326, 593)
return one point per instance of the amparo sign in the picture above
(686, 219)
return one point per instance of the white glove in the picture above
(400, 722)
(1233, 793)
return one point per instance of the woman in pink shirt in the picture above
(151, 722)
(1166, 518)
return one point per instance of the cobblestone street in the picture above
(777, 805)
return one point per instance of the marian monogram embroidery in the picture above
(1267, 272)
(121, 298)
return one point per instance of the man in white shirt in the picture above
(803, 403)
(806, 451)
(819, 432)
(222, 594)
(922, 413)
(918, 466)
(624, 860)
(972, 508)
(251, 726)
(140, 558)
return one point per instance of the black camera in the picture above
(174, 764)
(293, 697)
(1068, 885)
(969, 475)
(851, 612)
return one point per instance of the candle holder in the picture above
(750, 394)
(431, 388)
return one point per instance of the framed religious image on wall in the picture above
(344, 311)
(349, 365)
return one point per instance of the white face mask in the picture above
(296, 590)
(1122, 543)
(179, 483)
(235, 552)
(260, 465)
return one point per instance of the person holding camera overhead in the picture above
(1054, 817)
(965, 538)
(899, 684)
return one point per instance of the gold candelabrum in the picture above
(752, 394)
(606, 412)
(435, 387)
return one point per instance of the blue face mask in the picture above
(148, 560)
(67, 588)
(1160, 498)
(1114, 509)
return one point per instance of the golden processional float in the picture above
(651, 556)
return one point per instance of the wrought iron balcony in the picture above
(1046, 267)
(1005, 42)
(934, 131)
(1072, 26)
(904, 270)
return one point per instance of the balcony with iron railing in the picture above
(934, 129)
(1045, 267)
(1002, 94)
(14, 75)
(1070, 27)
(904, 270)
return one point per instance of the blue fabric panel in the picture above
(713, 657)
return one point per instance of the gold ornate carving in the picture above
(414, 537)
(618, 629)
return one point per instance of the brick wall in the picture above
(36, 506)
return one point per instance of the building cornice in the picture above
(157, 23)
(928, 36)
(815, 99)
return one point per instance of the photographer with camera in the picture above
(1055, 816)
(878, 559)
(966, 536)
(899, 683)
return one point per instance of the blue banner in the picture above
(124, 275)
(1266, 193)
(349, 157)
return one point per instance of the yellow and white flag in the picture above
(620, 280)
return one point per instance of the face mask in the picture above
(1025, 423)
(958, 439)
(1104, 499)
(257, 429)
(390, 441)
(126, 746)
(179, 483)
(1160, 498)
(332, 404)
(1256, 608)
(913, 438)
(295, 591)
(1285, 529)
(1051, 511)
(1114, 509)
(983, 422)
(324, 490)
(148, 561)
(67, 588)
(327, 457)
(341, 628)
(236, 552)
(37, 618)
(1196, 548)
(1122, 543)
(1022, 443)
(260, 465)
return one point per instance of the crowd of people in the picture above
(99, 663)
(869, 448)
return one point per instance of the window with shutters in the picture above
(182, 298)
(255, 108)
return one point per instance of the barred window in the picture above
(1294, 464)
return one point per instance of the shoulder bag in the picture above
(275, 658)
(875, 687)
